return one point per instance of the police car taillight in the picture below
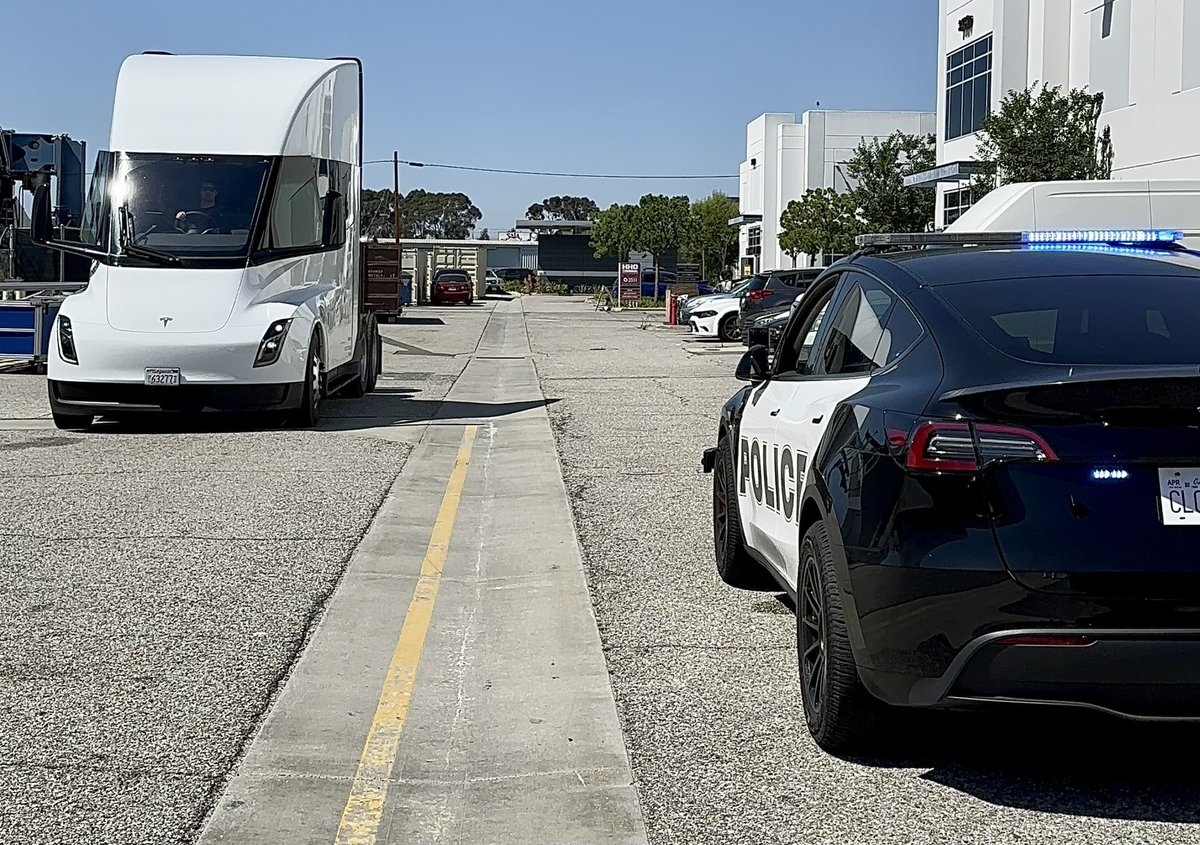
(965, 447)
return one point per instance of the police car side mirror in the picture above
(754, 366)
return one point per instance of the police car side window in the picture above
(857, 341)
(794, 354)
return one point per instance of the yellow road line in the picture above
(368, 794)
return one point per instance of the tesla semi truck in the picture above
(223, 226)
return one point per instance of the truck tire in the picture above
(368, 366)
(376, 361)
(309, 412)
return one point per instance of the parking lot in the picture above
(180, 638)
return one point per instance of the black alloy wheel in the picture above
(840, 713)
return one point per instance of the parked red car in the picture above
(452, 286)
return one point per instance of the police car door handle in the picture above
(818, 419)
(775, 413)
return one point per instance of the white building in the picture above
(1143, 54)
(785, 158)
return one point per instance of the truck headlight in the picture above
(66, 341)
(272, 343)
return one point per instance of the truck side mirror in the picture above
(333, 220)
(41, 225)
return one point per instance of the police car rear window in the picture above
(1085, 319)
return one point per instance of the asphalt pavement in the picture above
(199, 615)
(160, 580)
(705, 676)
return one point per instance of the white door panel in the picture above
(802, 424)
(755, 433)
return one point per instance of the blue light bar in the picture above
(1104, 247)
(1104, 236)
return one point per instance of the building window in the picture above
(956, 203)
(968, 87)
(754, 241)
(1110, 57)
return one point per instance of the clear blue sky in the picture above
(608, 86)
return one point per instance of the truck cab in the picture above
(223, 226)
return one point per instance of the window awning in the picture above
(955, 171)
(745, 219)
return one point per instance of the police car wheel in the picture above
(840, 713)
(734, 564)
(729, 329)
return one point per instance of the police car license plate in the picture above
(162, 376)
(1179, 495)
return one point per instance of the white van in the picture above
(224, 227)
(1094, 204)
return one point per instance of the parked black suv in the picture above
(773, 292)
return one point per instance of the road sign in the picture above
(631, 282)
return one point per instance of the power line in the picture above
(550, 173)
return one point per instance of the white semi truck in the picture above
(223, 224)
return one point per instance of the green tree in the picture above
(449, 216)
(564, 208)
(375, 214)
(822, 221)
(878, 168)
(661, 223)
(1041, 134)
(613, 232)
(710, 237)
(423, 214)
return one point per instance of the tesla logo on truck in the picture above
(166, 320)
(772, 474)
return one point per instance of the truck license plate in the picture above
(1179, 495)
(162, 376)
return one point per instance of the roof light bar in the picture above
(939, 238)
(1104, 236)
(1142, 237)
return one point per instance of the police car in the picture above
(979, 478)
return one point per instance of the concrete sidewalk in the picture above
(511, 734)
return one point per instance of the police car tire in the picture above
(727, 329)
(734, 564)
(846, 714)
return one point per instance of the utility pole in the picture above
(396, 196)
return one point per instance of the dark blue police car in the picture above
(974, 461)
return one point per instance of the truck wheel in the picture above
(734, 564)
(376, 360)
(839, 712)
(73, 422)
(309, 412)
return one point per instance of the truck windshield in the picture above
(187, 206)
